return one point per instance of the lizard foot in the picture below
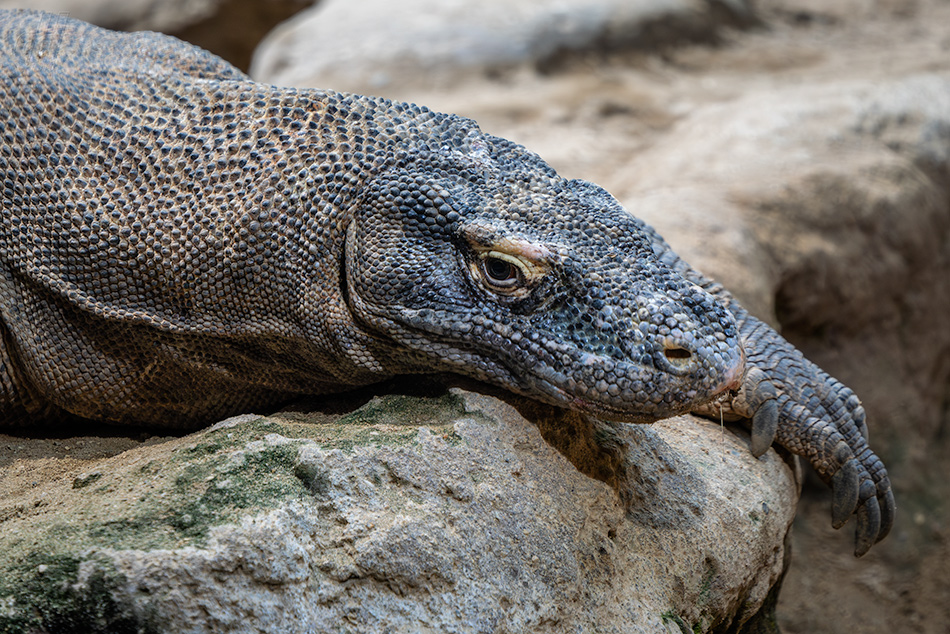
(815, 416)
(841, 456)
(792, 401)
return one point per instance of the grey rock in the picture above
(368, 45)
(125, 15)
(766, 184)
(464, 520)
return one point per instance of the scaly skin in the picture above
(180, 244)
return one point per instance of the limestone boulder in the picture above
(832, 189)
(435, 513)
(125, 15)
(372, 45)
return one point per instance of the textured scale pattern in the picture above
(179, 243)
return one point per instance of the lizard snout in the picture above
(681, 359)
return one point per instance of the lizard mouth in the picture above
(669, 381)
(677, 394)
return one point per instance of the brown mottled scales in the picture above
(179, 244)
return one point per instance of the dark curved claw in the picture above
(883, 493)
(844, 493)
(888, 510)
(822, 420)
(868, 532)
(842, 458)
(756, 400)
(764, 426)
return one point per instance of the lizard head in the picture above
(479, 259)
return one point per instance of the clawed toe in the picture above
(888, 509)
(869, 526)
(855, 493)
(764, 426)
(791, 401)
(844, 493)
(758, 400)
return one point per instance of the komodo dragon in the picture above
(180, 244)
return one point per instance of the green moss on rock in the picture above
(52, 594)
(173, 499)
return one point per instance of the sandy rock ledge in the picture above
(426, 514)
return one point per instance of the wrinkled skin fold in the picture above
(179, 244)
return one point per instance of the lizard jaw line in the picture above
(544, 383)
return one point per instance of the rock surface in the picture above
(421, 42)
(441, 514)
(125, 15)
(826, 200)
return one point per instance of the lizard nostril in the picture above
(677, 356)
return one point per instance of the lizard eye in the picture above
(514, 268)
(501, 275)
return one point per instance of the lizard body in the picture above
(179, 243)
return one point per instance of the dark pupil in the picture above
(500, 270)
